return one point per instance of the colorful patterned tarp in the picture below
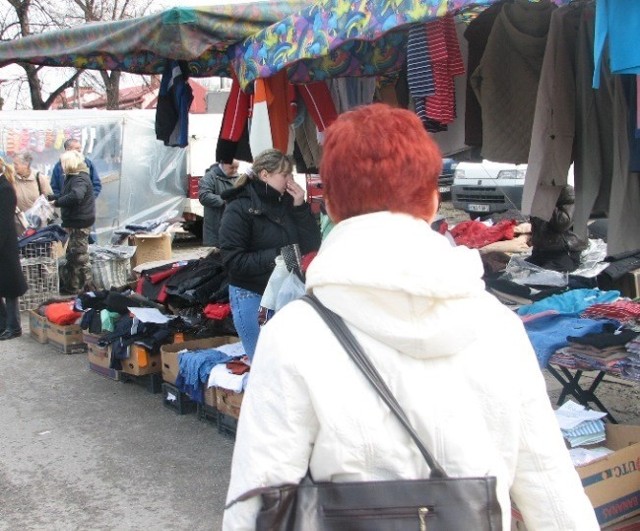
(199, 35)
(340, 38)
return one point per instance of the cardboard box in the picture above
(66, 338)
(228, 402)
(628, 524)
(612, 484)
(38, 326)
(141, 361)
(150, 247)
(97, 355)
(210, 396)
(169, 353)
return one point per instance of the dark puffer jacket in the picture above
(77, 202)
(256, 223)
(211, 186)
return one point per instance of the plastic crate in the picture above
(151, 382)
(39, 265)
(207, 413)
(176, 400)
(227, 424)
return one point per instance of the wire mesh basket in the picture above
(40, 269)
(114, 273)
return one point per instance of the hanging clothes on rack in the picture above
(554, 122)
(506, 80)
(617, 26)
(477, 35)
(446, 61)
(174, 99)
(271, 115)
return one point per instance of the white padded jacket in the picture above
(457, 360)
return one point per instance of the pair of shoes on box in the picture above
(10, 334)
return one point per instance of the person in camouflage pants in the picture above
(78, 267)
(78, 213)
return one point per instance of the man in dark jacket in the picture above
(78, 213)
(218, 178)
(57, 175)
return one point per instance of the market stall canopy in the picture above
(199, 35)
(333, 38)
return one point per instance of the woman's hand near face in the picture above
(296, 191)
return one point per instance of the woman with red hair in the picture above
(459, 363)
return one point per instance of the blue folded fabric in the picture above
(572, 302)
(194, 367)
(549, 333)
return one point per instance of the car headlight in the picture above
(458, 174)
(511, 174)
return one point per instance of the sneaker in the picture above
(10, 334)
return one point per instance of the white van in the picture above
(482, 188)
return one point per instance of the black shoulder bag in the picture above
(440, 503)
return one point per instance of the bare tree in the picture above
(22, 18)
(95, 10)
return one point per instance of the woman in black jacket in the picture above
(12, 282)
(78, 213)
(265, 212)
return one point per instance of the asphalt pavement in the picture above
(81, 452)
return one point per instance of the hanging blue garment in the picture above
(174, 99)
(618, 24)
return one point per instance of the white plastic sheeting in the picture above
(142, 179)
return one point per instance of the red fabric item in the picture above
(62, 313)
(475, 234)
(162, 296)
(317, 100)
(140, 285)
(446, 63)
(279, 95)
(238, 367)
(306, 260)
(623, 311)
(218, 310)
(163, 275)
(236, 113)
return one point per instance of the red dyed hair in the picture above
(378, 158)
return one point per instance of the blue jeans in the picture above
(244, 309)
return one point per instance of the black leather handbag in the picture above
(440, 503)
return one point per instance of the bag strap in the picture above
(359, 357)
(38, 181)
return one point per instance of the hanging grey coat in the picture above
(12, 282)
(211, 186)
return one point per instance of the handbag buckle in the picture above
(422, 515)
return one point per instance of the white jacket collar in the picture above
(393, 277)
